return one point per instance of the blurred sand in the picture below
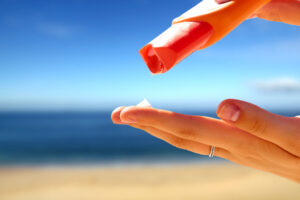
(190, 182)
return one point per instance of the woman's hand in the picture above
(246, 134)
(287, 11)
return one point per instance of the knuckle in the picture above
(189, 132)
(177, 142)
(258, 126)
(186, 133)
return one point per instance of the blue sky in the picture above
(83, 54)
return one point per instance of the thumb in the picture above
(287, 11)
(261, 123)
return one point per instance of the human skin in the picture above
(245, 133)
(287, 11)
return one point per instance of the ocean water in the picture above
(37, 138)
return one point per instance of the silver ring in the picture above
(212, 151)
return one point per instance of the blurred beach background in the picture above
(66, 64)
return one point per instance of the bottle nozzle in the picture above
(175, 44)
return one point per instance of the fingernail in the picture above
(127, 118)
(117, 109)
(229, 112)
(222, 1)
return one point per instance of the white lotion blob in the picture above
(144, 103)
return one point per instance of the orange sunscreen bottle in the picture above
(198, 28)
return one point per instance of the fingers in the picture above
(283, 131)
(192, 146)
(208, 131)
(115, 115)
(196, 134)
(196, 147)
(201, 129)
(169, 138)
(222, 1)
(181, 143)
(287, 11)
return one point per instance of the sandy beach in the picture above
(189, 182)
